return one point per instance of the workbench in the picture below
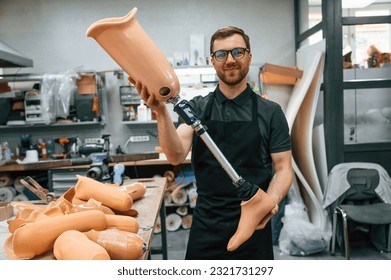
(142, 165)
(148, 207)
(130, 159)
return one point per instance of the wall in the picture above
(52, 33)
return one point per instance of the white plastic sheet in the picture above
(56, 93)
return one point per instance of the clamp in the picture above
(42, 193)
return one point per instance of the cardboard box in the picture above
(86, 84)
(6, 211)
(4, 87)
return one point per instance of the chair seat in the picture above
(378, 213)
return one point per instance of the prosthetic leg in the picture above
(129, 45)
(254, 210)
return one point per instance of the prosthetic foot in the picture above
(252, 213)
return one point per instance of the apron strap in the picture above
(209, 105)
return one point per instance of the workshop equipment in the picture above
(33, 107)
(25, 143)
(106, 145)
(99, 168)
(118, 175)
(70, 146)
(95, 145)
(42, 193)
(87, 149)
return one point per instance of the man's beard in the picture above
(233, 79)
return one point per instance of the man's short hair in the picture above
(227, 32)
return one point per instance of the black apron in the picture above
(217, 212)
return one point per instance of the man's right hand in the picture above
(149, 98)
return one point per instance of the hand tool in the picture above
(42, 193)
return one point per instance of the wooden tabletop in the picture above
(142, 159)
(148, 207)
(12, 165)
(148, 210)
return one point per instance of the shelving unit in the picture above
(180, 198)
(45, 126)
(139, 122)
(80, 129)
(335, 86)
(129, 98)
(194, 81)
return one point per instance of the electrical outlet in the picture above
(94, 141)
(144, 138)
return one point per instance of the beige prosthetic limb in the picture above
(130, 46)
(253, 211)
(136, 190)
(121, 222)
(38, 237)
(113, 198)
(120, 245)
(74, 245)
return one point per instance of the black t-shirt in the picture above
(272, 123)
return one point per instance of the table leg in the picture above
(164, 231)
(163, 249)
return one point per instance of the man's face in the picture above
(231, 71)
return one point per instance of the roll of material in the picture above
(6, 180)
(158, 225)
(182, 211)
(186, 221)
(167, 197)
(173, 222)
(179, 196)
(18, 185)
(7, 193)
(20, 197)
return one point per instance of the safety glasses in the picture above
(222, 55)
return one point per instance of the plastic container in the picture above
(142, 112)
(6, 151)
(132, 114)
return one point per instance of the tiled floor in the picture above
(359, 250)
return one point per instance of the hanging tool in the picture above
(106, 145)
(42, 193)
(69, 145)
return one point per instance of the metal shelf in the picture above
(41, 125)
(334, 85)
(139, 122)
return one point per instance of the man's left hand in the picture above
(265, 220)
